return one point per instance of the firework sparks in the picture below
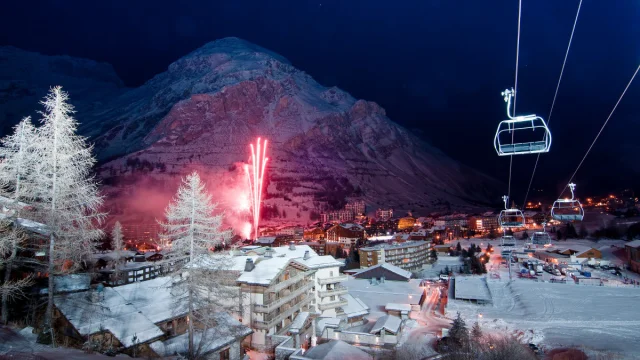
(255, 175)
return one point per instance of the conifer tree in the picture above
(200, 282)
(476, 332)
(16, 163)
(64, 193)
(458, 332)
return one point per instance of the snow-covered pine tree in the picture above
(117, 245)
(64, 192)
(16, 163)
(458, 332)
(200, 282)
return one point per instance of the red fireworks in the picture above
(258, 162)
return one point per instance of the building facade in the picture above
(409, 255)
(384, 214)
(346, 234)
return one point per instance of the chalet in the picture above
(274, 241)
(347, 234)
(125, 317)
(317, 233)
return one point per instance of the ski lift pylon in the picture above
(568, 209)
(505, 141)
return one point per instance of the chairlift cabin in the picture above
(510, 218)
(507, 241)
(568, 209)
(541, 238)
(526, 134)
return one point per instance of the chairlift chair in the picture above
(505, 140)
(541, 237)
(507, 241)
(568, 209)
(510, 218)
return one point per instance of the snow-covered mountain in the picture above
(325, 145)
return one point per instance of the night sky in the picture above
(437, 67)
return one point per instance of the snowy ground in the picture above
(558, 315)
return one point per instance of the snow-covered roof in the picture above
(296, 252)
(471, 288)
(387, 266)
(298, 323)
(380, 238)
(91, 312)
(377, 296)
(633, 244)
(113, 255)
(30, 225)
(152, 298)
(352, 226)
(335, 350)
(266, 240)
(316, 262)
(390, 323)
(355, 307)
(226, 331)
(265, 271)
(398, 307)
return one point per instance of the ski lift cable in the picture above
(600, 132)
(515, 90)
(566, 55)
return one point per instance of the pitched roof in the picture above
(390, 323)
(633, 244)
(401, 272)
(355, 307)
(398, 307)
(336, 350)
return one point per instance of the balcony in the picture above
(332, 305)
(338, 290)
(271, 305)
(284, 284)
(271, 321)
(333, 279)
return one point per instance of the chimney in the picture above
(268, 253)
(249, 265)
(306, 255)
(292, 246)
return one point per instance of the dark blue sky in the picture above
(436, 66)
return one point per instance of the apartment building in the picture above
(356, 207)
(408, 255)
(384, 214)
(284, 283)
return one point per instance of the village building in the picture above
(632, 248)
(315, 234)
(347, 234)
(410, 255)
(128, 318)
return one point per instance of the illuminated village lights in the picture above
(255, 174)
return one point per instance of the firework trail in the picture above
(255, 175)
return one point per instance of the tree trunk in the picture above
(191, 347)
(48, 319)
(5, 296)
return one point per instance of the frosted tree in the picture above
(64, 192)
(117, 244)
(16, 164)
(201, 284)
